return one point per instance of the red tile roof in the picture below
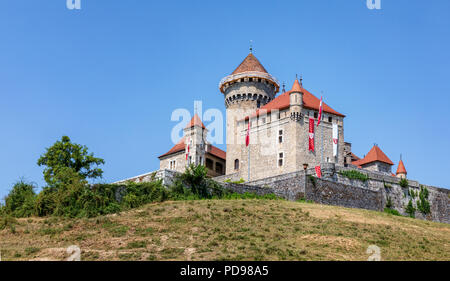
(181, 146)
(375, 154)
(195, 121)
(282, 102)
(250, 63)
(177, 148)
(218, 152)
(401, 168)
(354, 156)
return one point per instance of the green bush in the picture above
(72, 196)
(410, 210)
(392, 211)
(354, 174)
(20, 200)
(403, 182)
(423, 205)
(388, 202)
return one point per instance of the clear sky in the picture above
(110, 75)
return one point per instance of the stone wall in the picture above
(336, 189)
(332, 193)
(165, 175)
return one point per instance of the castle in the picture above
(276, 145)
(279, 132)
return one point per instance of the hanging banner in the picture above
(318, 172)
(335, 139)
(311, 134)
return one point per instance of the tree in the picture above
(64, 154)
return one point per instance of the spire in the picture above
(401, 167)
(296, 87)
(195, 121)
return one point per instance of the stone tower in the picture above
(195, 137)
(245, 90)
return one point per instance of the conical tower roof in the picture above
(296, 88)
(401, 168)
(250, 63)
(195, 121)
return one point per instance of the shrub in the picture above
(388, 202)
(392, 211)
(403, 182)
(194, 178)
(354, 174)
(410, 210)
(20, 200)
(423, 205)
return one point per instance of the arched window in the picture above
(236, 164)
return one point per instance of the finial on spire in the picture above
(301, 80)
(400, 157)
(284, 85)
(251, 46)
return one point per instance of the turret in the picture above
(401, 171)
(296, 100)
(195, 141)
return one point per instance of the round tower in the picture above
(245, 90)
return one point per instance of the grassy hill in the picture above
(228, 230)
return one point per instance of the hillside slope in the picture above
(229, 229)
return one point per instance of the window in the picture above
(315, 114)
(236, 164)
(280, 136)
(219, 168)
(330, 119)
(280, 159)
(258, 104)
(209, 164)
(263, 120)
(250, 79)
(279, 115)
(172, 165)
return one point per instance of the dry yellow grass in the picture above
(229, 230)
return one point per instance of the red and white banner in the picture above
(318, 172)
(247, 137)
(320, 112)
(187, 150)
(311, 134)
(335, 139)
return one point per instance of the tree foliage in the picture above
(20, 200)
(64, 154)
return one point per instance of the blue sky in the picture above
(110, 75)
